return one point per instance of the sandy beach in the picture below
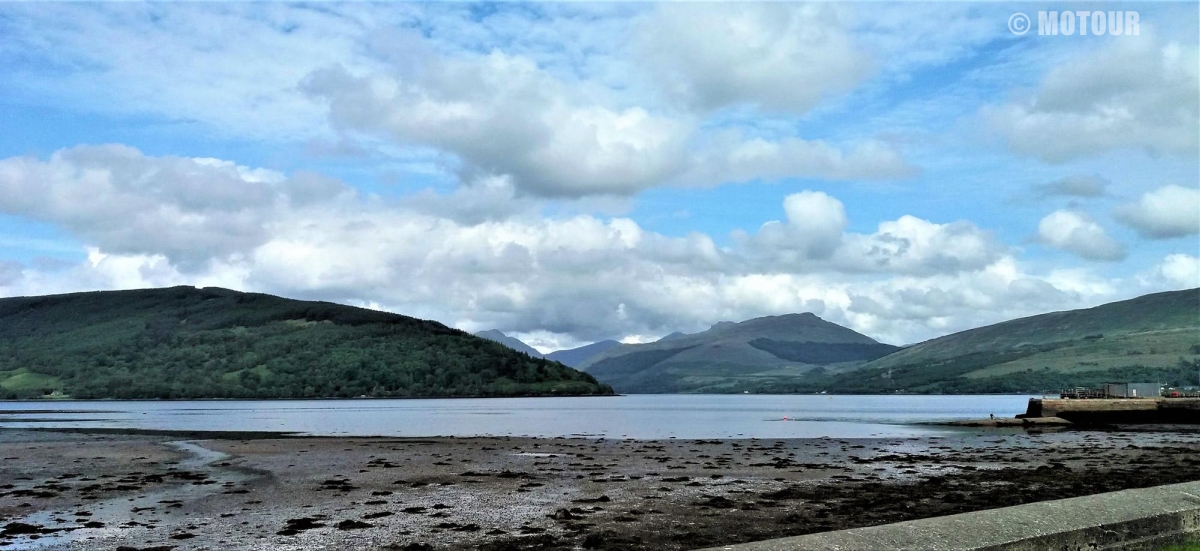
(71, 490)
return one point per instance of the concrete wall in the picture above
(1117, 411)
(1145, 518)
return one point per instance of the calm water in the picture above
(636, 416)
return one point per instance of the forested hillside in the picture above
(184, 342)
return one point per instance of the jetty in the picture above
(1063, 412)
(1115, 410)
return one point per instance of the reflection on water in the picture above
(635, 416)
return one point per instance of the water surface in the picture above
(636, 416)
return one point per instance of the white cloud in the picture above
(911, 245)
(190, 210)
(505, 116)
(780, 57)
(502, 114)
(812, 231)
(1169, 211)
(812, 239)
(1182, 270)
(1078, 234)
(569, 278)
(1133, 93)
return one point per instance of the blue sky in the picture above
(573, 172)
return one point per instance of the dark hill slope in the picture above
(184, 342)
(1152, 338)
(1149, 313)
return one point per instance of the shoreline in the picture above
(615, 394)
(516, 493)
(111, 400)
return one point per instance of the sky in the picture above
(571, 172)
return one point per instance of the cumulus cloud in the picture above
(190, 210)
(779, 57)
(505, 116)
(813, 229)
(579, 277)
(502, 114)
(812, 238)
(1179, 271)
(1132, 93)
(1169, 211)
(911, 245)
(1077, 233)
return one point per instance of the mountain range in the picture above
(729, 356)
(760, 351)
(185, 342)
(1155, 337)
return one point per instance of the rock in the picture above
(349, 524)
(409, 547)
(20, 528)
(297, 525)
(716, 502)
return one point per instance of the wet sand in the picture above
(64, 490)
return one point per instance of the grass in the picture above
(1193, 545)
(1151, 348)
(23, 379)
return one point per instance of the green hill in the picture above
(758, 355)
(185, 342)
(1153, 338)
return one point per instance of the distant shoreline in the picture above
(53, 400)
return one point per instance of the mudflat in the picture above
(67, 490)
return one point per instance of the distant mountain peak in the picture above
(729, 355)
(511, 342)
(577, 356)
(673, 336)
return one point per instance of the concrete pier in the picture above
(1116, 411)
(1145, 518)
